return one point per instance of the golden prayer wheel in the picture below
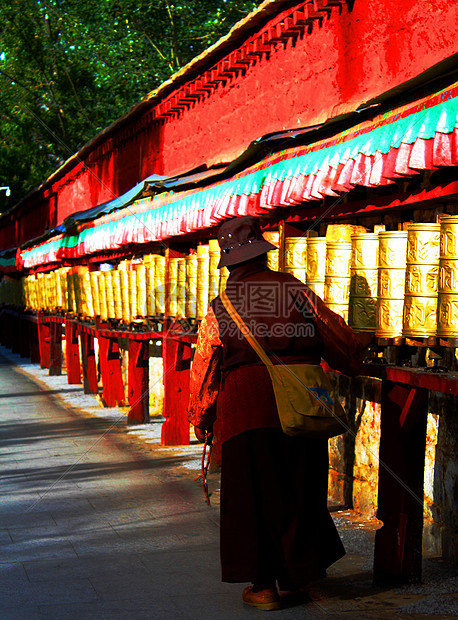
(389, 317)
(316, 264)
(337, 277)
(340, 309)
(362, 313)
(422, 274)
(173, 288)
(140, 268)
(449, 237)
(336, 290)
(150, 294)
(125, 302)
(88, 301)
(316, 258)
(103, 307)
(392, 249)
(317, 286)
(132, 278)
(159, 284)
(296, 257)
(117, 294)
(191, 287)
(365, 249)
(420, 316)
(273, 256)
(338, 259)
(181, 288)
(49, 291)
(203, 278)
(108, 277)
(59, 297)
(363, 283)
(391, 283)
(79, 289)
(63, 287)
(423, 243)
(214, 275)
(447, 312)
(95, 292)
(223, 276)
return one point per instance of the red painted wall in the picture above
(352, 58)
(349, 59)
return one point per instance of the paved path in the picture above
(95, 524)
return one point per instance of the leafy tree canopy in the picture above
(68, 68)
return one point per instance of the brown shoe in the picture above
(267, 599)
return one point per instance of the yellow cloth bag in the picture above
(302, 392)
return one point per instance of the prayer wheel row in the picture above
(132, 290)
(396, 283)
(193, 281)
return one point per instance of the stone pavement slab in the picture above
(98, 520)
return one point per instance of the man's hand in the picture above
(200, 434)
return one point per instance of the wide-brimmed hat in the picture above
(240, 239)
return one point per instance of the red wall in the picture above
(349, 59)
(352, 58)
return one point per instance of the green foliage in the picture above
(68, 68)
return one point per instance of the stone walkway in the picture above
(99, 521)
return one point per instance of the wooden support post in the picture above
(72, 353)
(110, 371)
(177, 365)
(138, 382)
(44, 342)
(398, 544)
(90, 385)
(55, 349)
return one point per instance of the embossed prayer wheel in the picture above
(132, 276)
(316, 259)
(191, 286)
(181, 288)
(117, 293)
(173, 288)
(224, 274)
(213, 275)
(95, 292)
(124, 276)
(88, 307)
(273, 256)
(391, 283)
(422, 276)
(159, 283)
(108, 276)
(296, 257)
(316, 264)
(447, 312)
(203, 278)
(150, 294)
(363, 283)
(337, 277)
(58, 290)
(340, 309)
(102, 295)
(63, 286)
(140, 268)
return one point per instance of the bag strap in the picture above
(235, 316)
